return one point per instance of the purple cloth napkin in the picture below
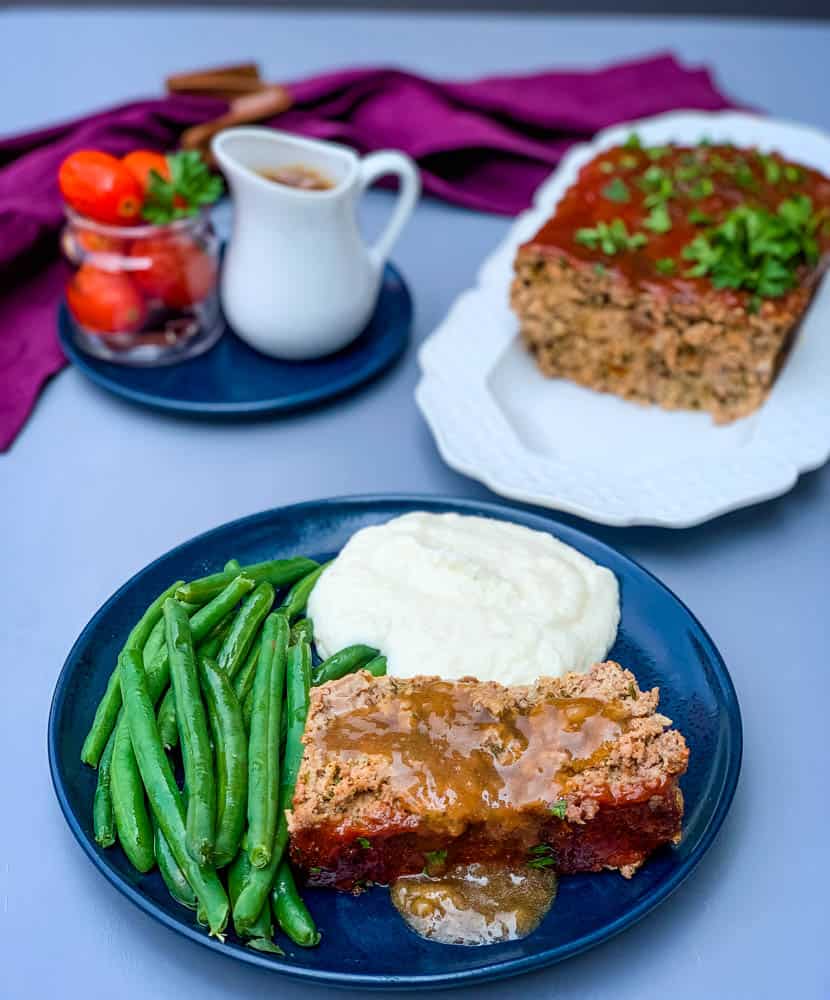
(486, 145)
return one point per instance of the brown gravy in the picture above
(475, 904)
(297, 175)
(461, 762)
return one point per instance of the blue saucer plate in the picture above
(365, 944)
(233, 380)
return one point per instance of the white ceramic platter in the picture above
(549, 442)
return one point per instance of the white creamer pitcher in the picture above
(298, 280)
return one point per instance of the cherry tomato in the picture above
(100, 187)
(178, 271)
(141, 161)
(92, 242)
(105, 301)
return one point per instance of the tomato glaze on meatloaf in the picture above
(675, 275)
(400, 774)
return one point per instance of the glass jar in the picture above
(143, 295)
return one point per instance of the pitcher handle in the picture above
(381, 164)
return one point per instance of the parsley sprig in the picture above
(757, 250)
(610, 237)
(191, 186)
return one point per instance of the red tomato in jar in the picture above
(100, 187)
(141, 162)
(178, 271)
(105, 301)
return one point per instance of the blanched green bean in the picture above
(244, 628)
(260, 881)
(174, 878)
(135, 831)
(165, 798)
(263, 746)
(290, 910)
(107, 711)
(346, 661)
(295, 601)
(231, 749)
(238, 873)
(277, 572)
(244, 680)
(376, 667)
(103, 820)
(303, 629)
(232, 566)
(193, 734)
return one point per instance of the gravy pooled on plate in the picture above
(297, 175)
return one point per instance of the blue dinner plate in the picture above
(365, 944)
(233, 380)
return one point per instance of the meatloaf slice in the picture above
(402, 774)
(675, 275)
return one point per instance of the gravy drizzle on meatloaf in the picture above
(394, 770)
(675, 275)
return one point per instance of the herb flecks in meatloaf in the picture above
(397, 772)
(675, 275)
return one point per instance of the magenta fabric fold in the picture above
(485, 145)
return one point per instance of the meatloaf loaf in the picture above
(399, 775)
(675, 275)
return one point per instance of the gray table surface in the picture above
(94, 488)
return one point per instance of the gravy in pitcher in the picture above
(297, 175)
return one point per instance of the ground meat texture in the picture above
(398, 775)
(615, 323)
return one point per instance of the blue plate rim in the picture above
(378, 363)
(511, 967)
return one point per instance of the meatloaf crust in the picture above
(628, 315)
(398, 775)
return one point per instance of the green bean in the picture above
(290, 910)
(376, 667)
(244, 628)
(168, 725)
(295, 601)
(232, 566)
(231, 748)
(302, 629)
(248, 710)
(107, 711)
(103, 821)
(263, 747)
(135, 832)
(174, 878)
(238, 873)
(162, 792)
(193, 734)
(344, 662)
(244, 680)
(260, 880)
(277, 572)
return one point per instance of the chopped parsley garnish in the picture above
(364, 842)
(703, 188)
(435, 858)
(793, 174)
(540, 856)
(601, 270)
(657, 152)
(744, 175)
(699, 218)
(666, 265)
(610, 238)
(633, 141)
(628, 162)
(616, 190)
(755, 249)
(607, 167)
(688, 172)
(658, 184)
(559, 808)
(704, 141)
(658, 220)
(772, 168)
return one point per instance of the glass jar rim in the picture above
(134, 232)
